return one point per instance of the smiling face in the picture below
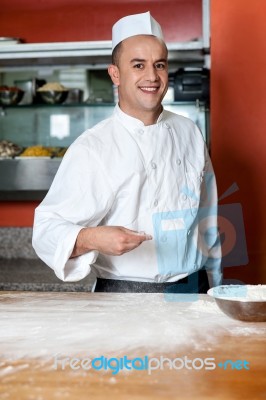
(141, 76)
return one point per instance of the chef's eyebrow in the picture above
(143, 60)
(137, 60)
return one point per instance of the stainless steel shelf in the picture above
(95, 54)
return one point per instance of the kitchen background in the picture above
(238, 90)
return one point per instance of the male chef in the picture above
(134, 200)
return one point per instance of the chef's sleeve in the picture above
(79, 197)
(208, 211)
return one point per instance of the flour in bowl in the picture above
(245, 293)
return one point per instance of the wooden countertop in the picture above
(40, 330)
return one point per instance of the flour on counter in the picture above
(205, 306)
(46, 324)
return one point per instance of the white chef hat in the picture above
(132, 25)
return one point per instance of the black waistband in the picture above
(194, 283)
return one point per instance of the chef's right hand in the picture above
(110, 240)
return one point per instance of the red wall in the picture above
(238, 118)
(17, 213)
(82, 20)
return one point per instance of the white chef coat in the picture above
(145, 178)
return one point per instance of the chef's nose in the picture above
(151, 73)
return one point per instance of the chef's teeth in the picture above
(149, 89)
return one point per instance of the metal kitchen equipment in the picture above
(241, 302)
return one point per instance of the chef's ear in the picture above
(113, 71)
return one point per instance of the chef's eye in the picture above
(160, 66)
(138, 66)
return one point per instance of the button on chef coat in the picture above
(123, 173)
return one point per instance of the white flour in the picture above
(43, 325)
(240, 292)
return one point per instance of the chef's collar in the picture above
(131, 122)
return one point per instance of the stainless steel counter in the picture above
(27, 178)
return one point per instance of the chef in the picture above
(134, 200)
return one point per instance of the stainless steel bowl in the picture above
(241, 302)
(10, 97)
(53, 96)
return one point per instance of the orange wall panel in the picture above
(17, 213)
(238, 118)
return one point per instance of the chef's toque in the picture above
(132, 25)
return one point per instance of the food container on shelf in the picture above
(30, 87)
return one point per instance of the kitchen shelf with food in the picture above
(34, 137)
(33, 140)
(28, 172)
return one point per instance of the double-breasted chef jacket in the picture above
(157, 179)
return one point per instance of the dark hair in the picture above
(116, 54)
